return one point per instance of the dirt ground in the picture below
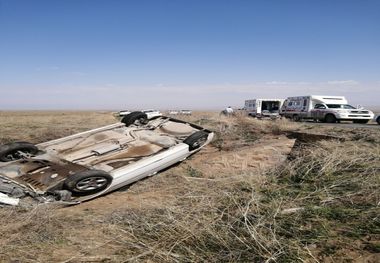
(91, 232)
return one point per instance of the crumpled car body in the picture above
(86, 165)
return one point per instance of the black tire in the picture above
(330, 118)
(360, 121)
(11, 151)
(87, 182)
(196, 140)
(296, 118)
(136, 117)
(378, 120)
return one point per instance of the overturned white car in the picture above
(89, 164)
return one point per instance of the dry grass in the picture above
(40, 126)
(322, 204)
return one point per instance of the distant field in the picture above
(253, 195)
(39, 126)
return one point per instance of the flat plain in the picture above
(255, 194)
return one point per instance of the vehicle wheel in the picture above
(87, 182)
(16, 150)
(136, 117)
(378, 120)
(296, 118)
(196, 140)
(360, 121)
(330, 118)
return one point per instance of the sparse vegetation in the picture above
(321, 204)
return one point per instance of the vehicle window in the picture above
(334, 106)
(319, 106)
(340, 106)
(346, 106)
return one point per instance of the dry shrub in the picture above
(234, 132)
(295, 213)
(329, 199)
(30, 234)
(217, 222)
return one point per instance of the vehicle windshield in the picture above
(340, 106)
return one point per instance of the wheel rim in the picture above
(141, 121)
(199, 142)
(92, 183)
(18, 154)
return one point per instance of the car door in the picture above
(318, 112)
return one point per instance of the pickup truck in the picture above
(340, 112)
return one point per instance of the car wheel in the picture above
(16, 150)
(196, 140)
(88, 182)
(378, 120)
(136, 117)
(360, 121)
(330, 118)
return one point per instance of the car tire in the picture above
(11, 151)
(378, 120)
(136, 117)
(330, 118)
(360, 121)
(87, 182)
(196, 140)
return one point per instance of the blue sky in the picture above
(91, 54)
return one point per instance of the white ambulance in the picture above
(261, 108)
(330, 109)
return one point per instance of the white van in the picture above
(264, 107)
(324, 108)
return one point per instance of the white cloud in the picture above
(160, 95)
(78, 73)
(343, 82)
(49, 68)
(276, 83)
(285, 83)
